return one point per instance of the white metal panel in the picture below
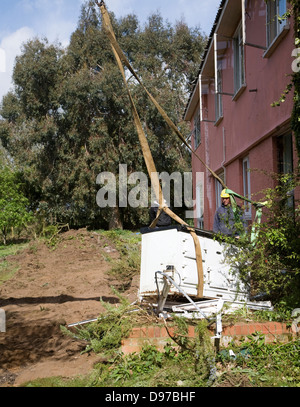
(172, 247)
(159, 250)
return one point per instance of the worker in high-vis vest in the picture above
(226, 221)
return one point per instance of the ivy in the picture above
(295, 118)
(295, 76)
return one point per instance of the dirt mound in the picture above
(54, 287)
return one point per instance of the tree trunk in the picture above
(115, 220)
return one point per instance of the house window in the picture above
(239, 65)
(285, 154)
(275, 20)
(197, 130)
(218, 96)
(246, 187)
(200, 205)
(285, 161)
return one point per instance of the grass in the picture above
(7, 266)
(7, 271)
(11, 249)
(59, 382)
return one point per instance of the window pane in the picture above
(246, 187)
(197, 134)
(281, 7)
(199, 205)
(239, 73)
(218, 97)
(275, 10)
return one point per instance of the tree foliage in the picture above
(69, 118)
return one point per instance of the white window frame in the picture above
(247, 187)
(218, 97)
(275, 10)
(280, 27)
(239, 60)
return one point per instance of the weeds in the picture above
(106, 334)
(128, 245)
(263, 364)
(184, 361)
(52, 234)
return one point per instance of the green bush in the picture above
(273, 260)
(14, 205)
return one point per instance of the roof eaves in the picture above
(209, 41)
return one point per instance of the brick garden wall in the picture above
(158, 335)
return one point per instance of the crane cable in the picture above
(120, 57)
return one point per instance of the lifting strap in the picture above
(120, 57)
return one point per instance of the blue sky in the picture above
(21, 20)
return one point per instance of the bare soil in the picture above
(54, 287)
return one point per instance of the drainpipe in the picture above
(224, 154)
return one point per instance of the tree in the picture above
(69, 117)
(14, 205)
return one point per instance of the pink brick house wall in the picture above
(251, 71)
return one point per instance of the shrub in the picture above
(273, 260)
(14, 205)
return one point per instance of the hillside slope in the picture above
(54, 287)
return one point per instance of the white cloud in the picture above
(11, 47)
(57, 19)
(51, 19)
(2, 61)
